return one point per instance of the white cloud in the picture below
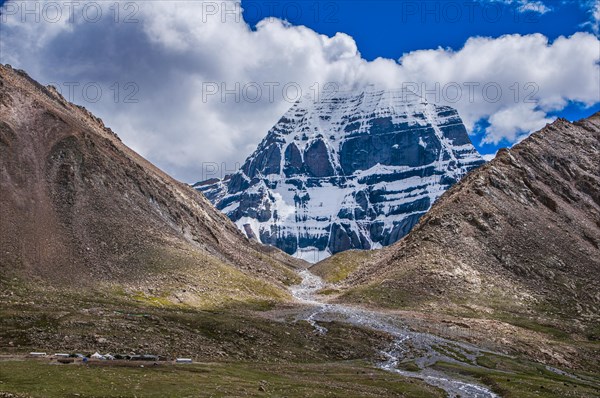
(595, 11)
(176, 48)
(512, 123)
(489, 157)
(535, 6)
(548, 75)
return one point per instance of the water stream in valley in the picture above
(420, 349)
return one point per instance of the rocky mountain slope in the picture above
(355, 170)
(517, 239)
(80, 209)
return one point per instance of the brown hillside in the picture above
(79, 208)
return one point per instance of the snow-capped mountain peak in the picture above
(352, 170)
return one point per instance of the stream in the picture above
(422, 349)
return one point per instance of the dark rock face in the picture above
(316, 160)
(293, 160)
(354, 171)
(397, 147)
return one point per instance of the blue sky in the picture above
(173, 51)
(391, 28)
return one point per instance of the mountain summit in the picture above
(354, 170)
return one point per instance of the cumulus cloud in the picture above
(508, 123)
(533, 76)
(186, 84)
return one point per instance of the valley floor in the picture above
(39, 378)
(307, 348)
(21, 377)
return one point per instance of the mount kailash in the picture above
(354, 170)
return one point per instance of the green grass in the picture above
(383, 297)
(349, 379)
(337, 268)
(328, 291)
(517, 378)
(410, 366)
(510, 378)
(451, 352)
(486, 362)
(112, 321)
(205, 282)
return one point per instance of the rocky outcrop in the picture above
(352, 171)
